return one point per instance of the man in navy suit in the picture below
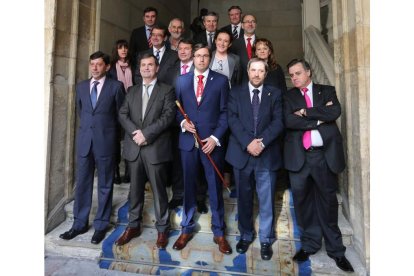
(255, 121)
(97, 101)
(210, 21)
(203, 95)
(314, 155)
(140, 37)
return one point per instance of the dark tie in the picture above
(94, 94)
(149, 38)
(210, 40)
(235, 34)
(255, 107)
(157, 55)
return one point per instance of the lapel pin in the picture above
(268, 94)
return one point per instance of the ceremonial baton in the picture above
(201, 144)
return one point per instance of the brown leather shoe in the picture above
(128, 235)
(182, 241)
(224, 246)
(162, 240)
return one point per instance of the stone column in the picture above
(311, 16)
(352, 62)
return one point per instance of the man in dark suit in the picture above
(183, 66)
(235, 26)
(140, 37)
(203, 95)
(166, 57)
(97, 101)
(313, 155)
(255, 121)
(210, 21)
(243, 46)
(146, 115)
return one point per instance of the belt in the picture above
(312, 148)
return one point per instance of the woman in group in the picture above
(224, 62)
(121, 70)
(263, 49)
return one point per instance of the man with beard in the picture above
(176, 29)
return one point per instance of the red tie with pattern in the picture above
(249, 48)
(200, 88)
(307, 140)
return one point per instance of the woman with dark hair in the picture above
(224, 62)
(263, 49)
(121, 70)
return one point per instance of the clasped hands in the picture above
(208, 144)
(255, 147)
(139, 138)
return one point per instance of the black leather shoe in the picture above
(98, 236)
(174, 203)
(68, 235)
(302, 255)
(242, 246)
(343, 263)
(202, 207)
(266, 251)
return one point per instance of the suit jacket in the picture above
(239, 48)
(177, 71)
(164, 75)
(269, 127)
(210, 117)
(138, 42)
(230, 29)
(202, 38)
(100, 125)
(234, 68)
(294, 153)
(159, 116)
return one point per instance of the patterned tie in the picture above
(307, 140)
(157, 55)
(184, 69)
(255, 108)
(149, 38)
(210, 40)
(235, 34)
(200, 88)
(249, 48)
(145, 99)
(94, 94)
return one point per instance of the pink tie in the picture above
(307, 140)
(184, 71)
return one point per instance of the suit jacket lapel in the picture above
(151, 100)
(102, 95)
(264, 103)
(232, 63)
(209, 81)
(247, 104)
(138, 101)
(317, 95)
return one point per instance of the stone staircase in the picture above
(201, 256)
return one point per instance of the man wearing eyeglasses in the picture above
(244, 44)
(203, 95)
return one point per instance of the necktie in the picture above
(149, 38)
(307, 140)
(145, 99)
(249, 48)
(200, 88)
(210, 40)
(94, 94)
(157, 55)
(235, 34)
(184, 69)
(255, 108)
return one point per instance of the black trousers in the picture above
(316, 205)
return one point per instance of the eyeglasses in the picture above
(248, 22)
(201, 56)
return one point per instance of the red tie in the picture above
(200, 88)
(307, 140)
(249, 48)
(149, 38)
(184, 71)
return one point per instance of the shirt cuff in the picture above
(181, 124)
(216, 140)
